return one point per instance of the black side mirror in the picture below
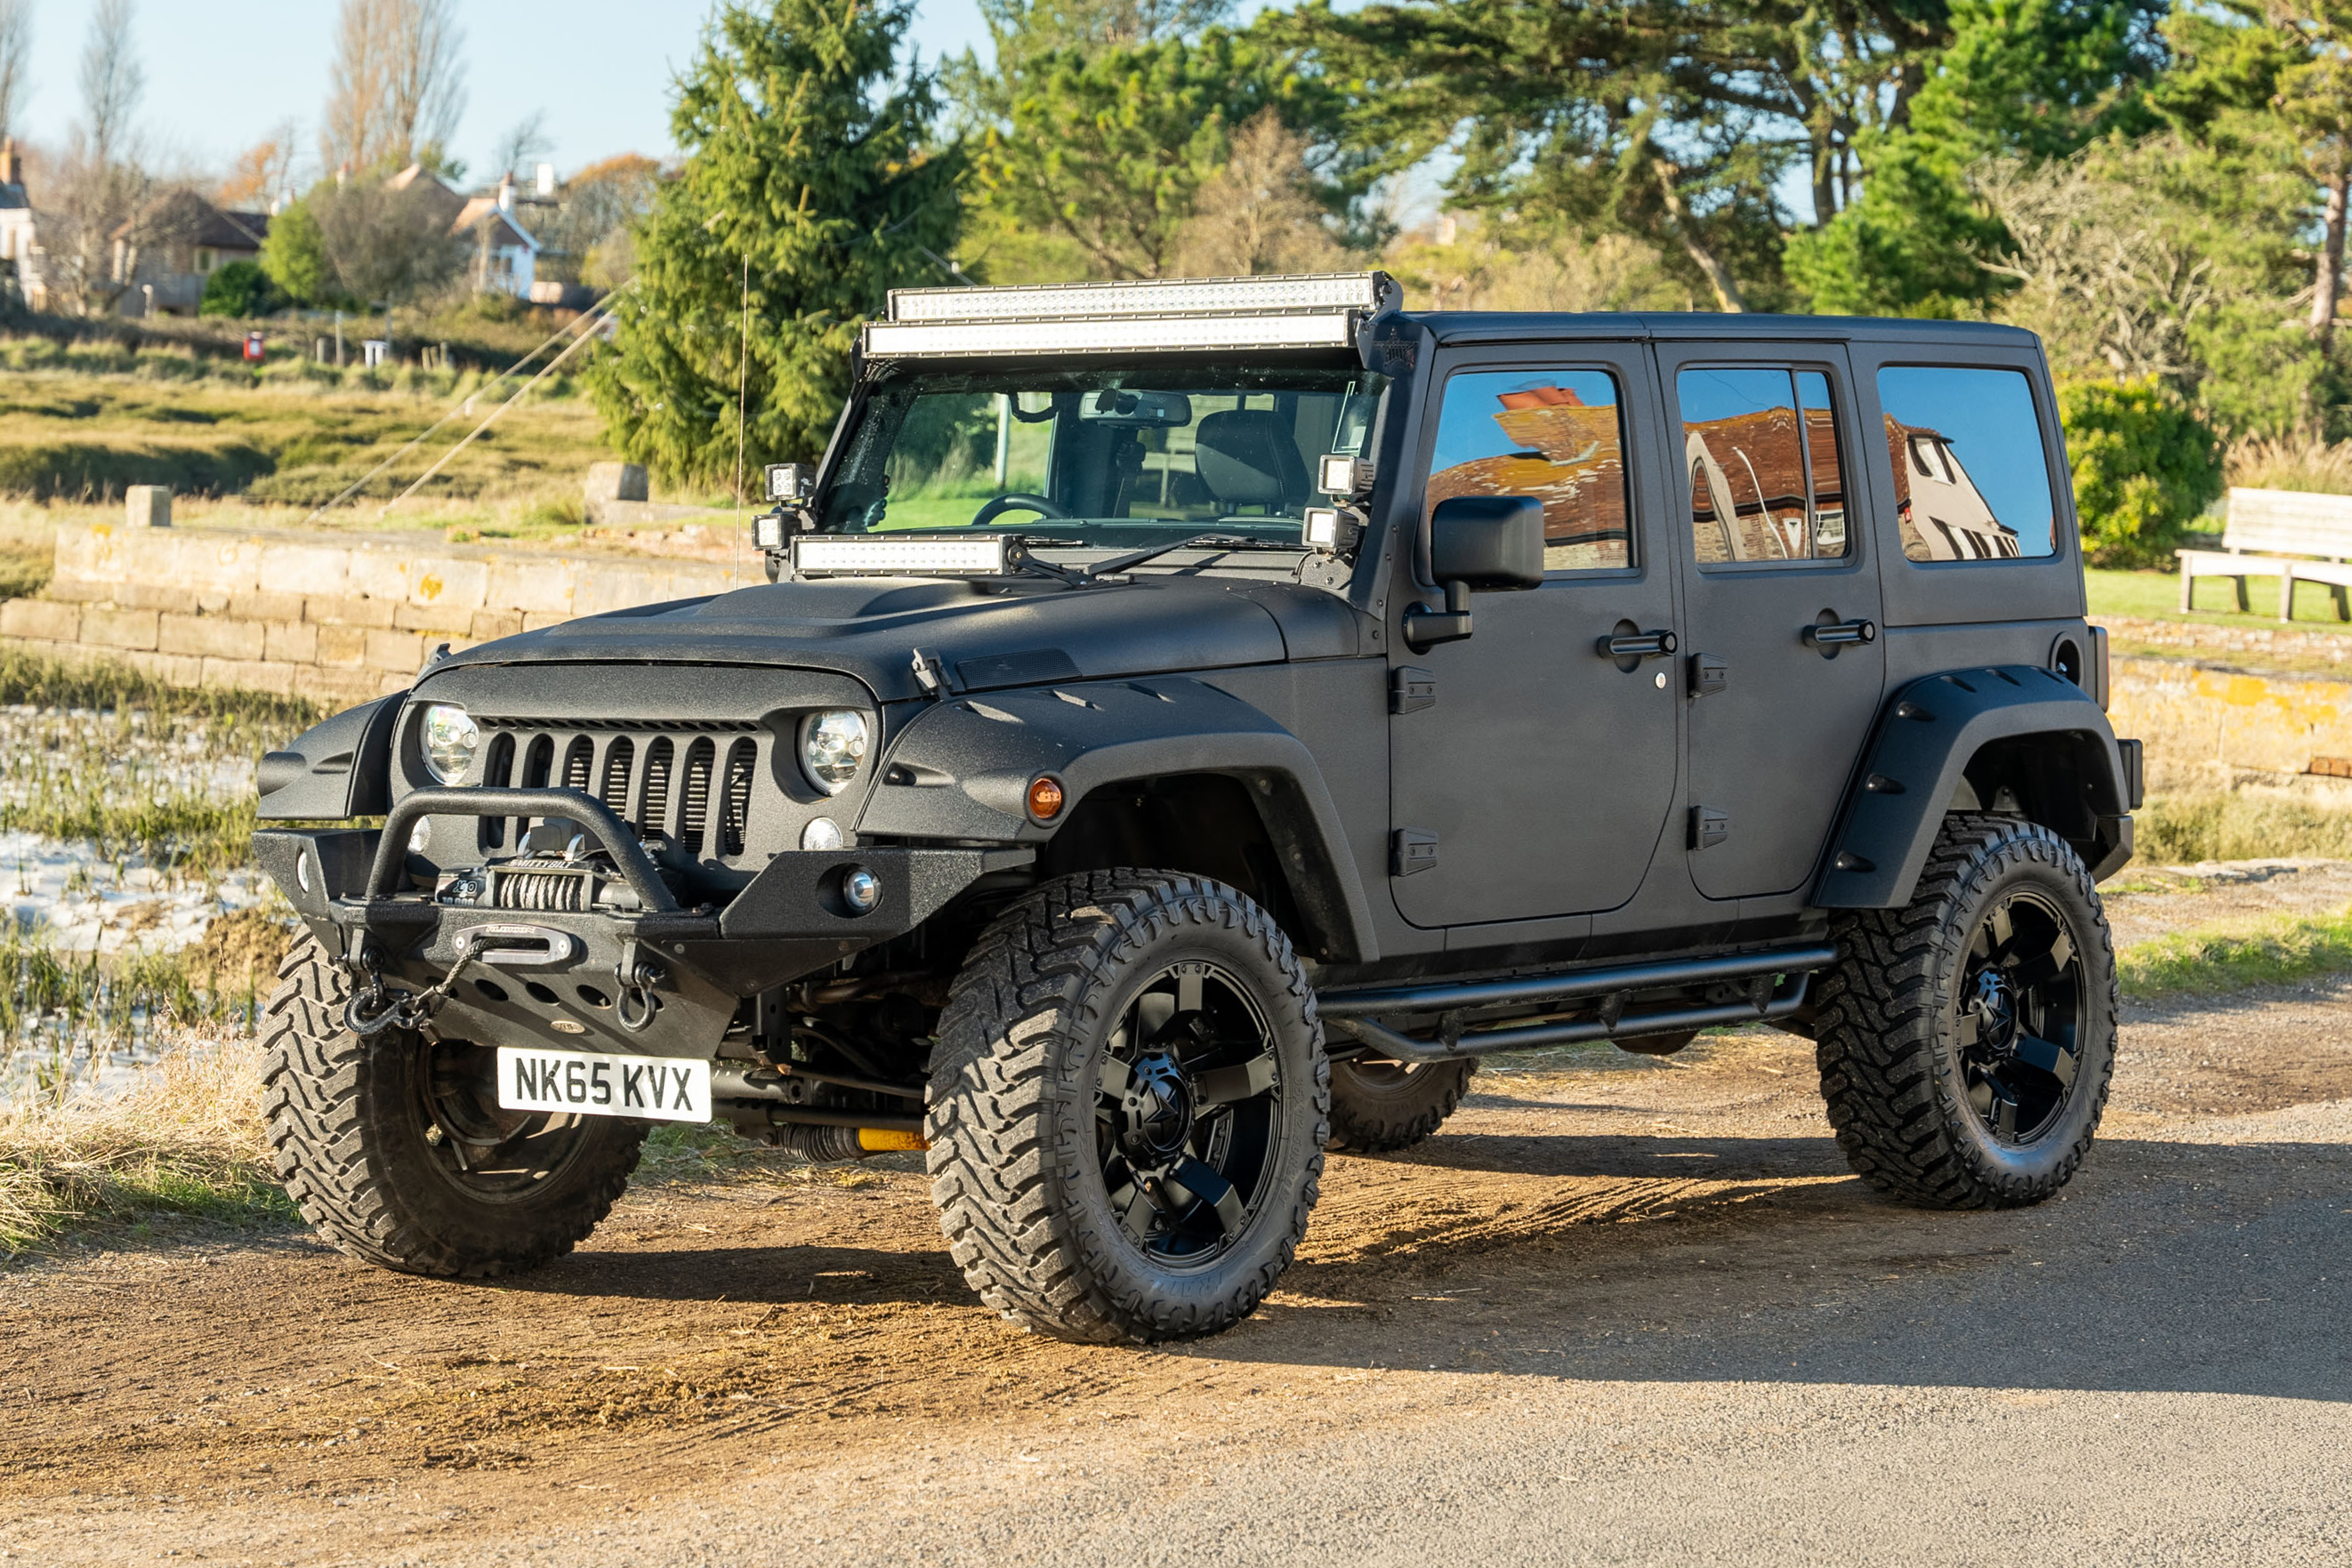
(1477, 541)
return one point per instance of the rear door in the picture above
(1780, 598)
(1530, 774)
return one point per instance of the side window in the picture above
(1766, 480)
(1557, 435)
(1971, 480)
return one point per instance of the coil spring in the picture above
(555, 891)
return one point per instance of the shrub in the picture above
(2143, 466)
(239, 289)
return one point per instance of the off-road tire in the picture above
(353, 1152)
(1888, 1031)
(1380, 1107)
(1016, 1175)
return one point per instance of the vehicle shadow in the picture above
(2164, 1266)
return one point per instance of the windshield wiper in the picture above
(1152, 552)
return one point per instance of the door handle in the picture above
(1641, 645)
(1839, 633)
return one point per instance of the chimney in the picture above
(507, 192)
(11, 164)
(546, 181)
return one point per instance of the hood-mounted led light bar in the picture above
(1319, 310)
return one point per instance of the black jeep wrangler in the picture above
(1187, 724)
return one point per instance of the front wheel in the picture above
(1127, 1109)
(1965, 1043)
(396, 1147)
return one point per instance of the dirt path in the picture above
(1658, 1269)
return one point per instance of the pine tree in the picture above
(807, 186)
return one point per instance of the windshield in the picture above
(1108, 456)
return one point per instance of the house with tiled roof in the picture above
(505, 252)
(173, 250)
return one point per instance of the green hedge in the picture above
(2145, 467)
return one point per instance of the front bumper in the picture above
(571, 986)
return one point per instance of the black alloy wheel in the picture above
(1127, 1109)
(1189, 1114)
(1967, 1039)
(2019, 1008)
(395, 1147)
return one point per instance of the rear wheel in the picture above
(1965, 1043)
(1380, 1107)
(1128, 1108)
(395, 1148)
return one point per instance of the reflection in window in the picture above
(1971, 481)
(1762, 449)
(1556, 435)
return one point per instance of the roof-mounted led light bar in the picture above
(1146, 334)
(1193, 314)
(1184, 297)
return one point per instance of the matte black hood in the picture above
(987, 634)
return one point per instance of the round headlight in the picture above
(451, 738)
(832, 749)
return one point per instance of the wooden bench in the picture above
(2292, 535)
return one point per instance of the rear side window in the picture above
(1556, 434)
(1766, 482)
(1971, 480)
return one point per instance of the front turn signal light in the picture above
(1044, 799)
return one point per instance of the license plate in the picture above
(589, 1083)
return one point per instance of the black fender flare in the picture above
(961, 768)
(1927, 735)
(338, 768)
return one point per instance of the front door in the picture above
(1530, 773)
(1781, 603)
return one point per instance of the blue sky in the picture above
(222, 73)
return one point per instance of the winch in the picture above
(574, 878)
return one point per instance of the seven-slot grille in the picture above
(686, 785)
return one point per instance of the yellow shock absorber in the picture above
(885, 1140)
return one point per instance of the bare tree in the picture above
(112, 80)
(397, 85)
(1259, 214)
(523, 146)
(2111, 275)
(386, 244)
(16, 47)
(101, 209)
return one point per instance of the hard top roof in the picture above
(1521, 326)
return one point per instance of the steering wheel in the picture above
(1018, 501)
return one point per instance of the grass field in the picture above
(2155, 596)
(81, 421)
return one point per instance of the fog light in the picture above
(1044, 798)
(420, 836)
(861, 890)
(822, 833)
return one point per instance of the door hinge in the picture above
(1708, 827)
(1412, 850)
(1411, 690)
(1709, 674)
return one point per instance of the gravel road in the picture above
(1629, 1310)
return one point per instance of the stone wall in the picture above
(342, 618)
(336, 617)
(2204, 726)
